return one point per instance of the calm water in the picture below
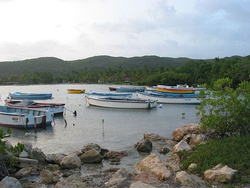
(113, 129)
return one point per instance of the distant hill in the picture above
(59, 66)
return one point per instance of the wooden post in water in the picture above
(103, 128)
(26, 123)
(35, 122)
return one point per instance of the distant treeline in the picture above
(147, 70)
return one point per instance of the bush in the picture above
(232, 151)
(7, 155)
(226, 110)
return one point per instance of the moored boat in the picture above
(166, 94)
(111, 88)
(114, 102)
(130, 89)
(169, 99)
(151, 88)
(175, 89)
(24, 118)
(110, 94)
(56, 109)
(32, 96)
(76, 91)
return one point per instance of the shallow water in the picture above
(114, 129)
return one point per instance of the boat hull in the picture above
(130, 89)
(165, 94)
(32, 96)
(57, 109)
(175, 90)
(110, 94)
(150, 88)
(168, 99)
(24, 118)
(108, 102)
(76, 91)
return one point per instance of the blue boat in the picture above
(32, 96)
(169, 99)
(130, 89)
(184, 95)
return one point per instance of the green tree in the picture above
(226, 110)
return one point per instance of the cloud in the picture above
(72, 29)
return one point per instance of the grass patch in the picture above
(232, 151)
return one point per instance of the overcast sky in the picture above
(78, 29)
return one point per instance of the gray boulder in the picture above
(91, 157)
(37, 154)
(72, 181)
(70, 161)
(145, 145)
(10, 182)
(91, 146)
(25, 172)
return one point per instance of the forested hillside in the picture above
(57, 66)
(147, 70)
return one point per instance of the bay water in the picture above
(114, 129)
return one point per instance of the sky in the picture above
(78, 29)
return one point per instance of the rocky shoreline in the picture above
(152, 162)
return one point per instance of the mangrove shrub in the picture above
(226, 110)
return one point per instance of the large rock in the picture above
(171, 142)
(114, 156)
(219, 174)
(184, 178)
(91, 157)
(191, 129)
(191, 167)
(24, 172)
(52, 167)
(58, 158)
(55, 158)
(73, 181)
(71, 161)
(179, 133)
(147, 178)
(91, 146)
(163, 150)
(145, 145)
(181, 146)
(10, 182)
(154, 165)
(196, 139)
(140, 185)
(153, 137)
(46, 176)
(118, 178)
(26, 162)
(24, 154)
(173, 162)
(37, 154)
(188, 180)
